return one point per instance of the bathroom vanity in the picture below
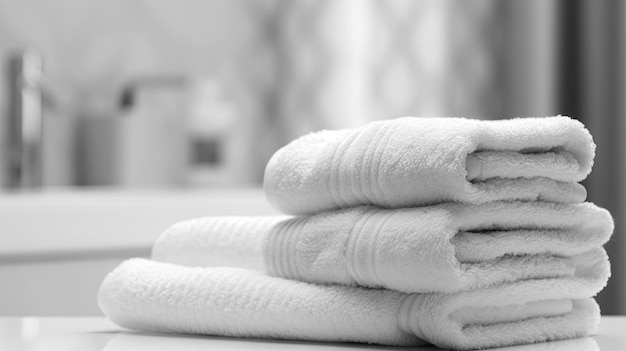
(57, 246)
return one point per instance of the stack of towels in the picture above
(454, 232)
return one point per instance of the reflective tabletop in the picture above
(98, 333)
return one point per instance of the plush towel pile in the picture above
(459, 233)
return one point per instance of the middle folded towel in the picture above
(444, 248)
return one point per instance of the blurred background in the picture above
(198, 94)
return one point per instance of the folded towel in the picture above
(443, 248)
(153, 296)
(412, 161)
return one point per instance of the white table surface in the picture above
(97, 333)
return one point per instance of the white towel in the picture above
(153, 296)
(412, 161)
(443, 248)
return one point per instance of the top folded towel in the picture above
(412, 161)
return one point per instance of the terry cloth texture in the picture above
(412, 161)
(162, 297)
(443, 248)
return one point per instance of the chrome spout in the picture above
(24, 120)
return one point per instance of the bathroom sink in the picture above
(62, 221)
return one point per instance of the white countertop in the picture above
(98, 333)
(57, 245)
(91, 221)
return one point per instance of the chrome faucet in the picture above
(22, 155)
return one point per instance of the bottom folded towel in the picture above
(154, 296)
